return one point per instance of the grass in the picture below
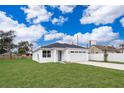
(27, 73)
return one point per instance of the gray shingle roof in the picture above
(61, 45)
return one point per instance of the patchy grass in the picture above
(27, 73)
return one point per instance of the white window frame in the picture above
(46, 53)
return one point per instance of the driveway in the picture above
(105, 65)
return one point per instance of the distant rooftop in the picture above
(108, 48)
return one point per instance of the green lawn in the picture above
(27, 73)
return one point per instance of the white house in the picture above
(58, 52)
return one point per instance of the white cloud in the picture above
(59, 21)
(53, 35)
(22, 32)
(101, 34)
(101, 14)
(31, 33)
(6, 23)
(122, 21)
(117, 42)
(67, 8)
(67, 39)
(36, 46)
(64, 8)
(37, 13)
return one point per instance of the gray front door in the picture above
(59, 55)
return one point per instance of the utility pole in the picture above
(77, 39)
(89, 43)
(72, 42)
(87, 46)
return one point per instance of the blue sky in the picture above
(47, 24)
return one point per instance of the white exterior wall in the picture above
(76, 57)
(54, 55)
(116, 57)
(96, 57)
(34, 56)
(66, 55)
(53, 58)
(42, 59)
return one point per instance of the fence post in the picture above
(105, 55)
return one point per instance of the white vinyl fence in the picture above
(96, 57)
(119, 57)
(116, 57)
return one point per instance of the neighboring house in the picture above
(60, 52)
(121, 50)
(29, 53)
(101, 49)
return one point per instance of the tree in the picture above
(24, 47)
(2, 51)
(21, 51)
(122, 46)
(6, 41)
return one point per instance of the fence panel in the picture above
(96, 57)
(116, 57)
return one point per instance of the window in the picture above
(46, 53)
(80, 51)
(71, 51)
(76, 51)
(49, 54)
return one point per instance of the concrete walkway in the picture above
(105, 65)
